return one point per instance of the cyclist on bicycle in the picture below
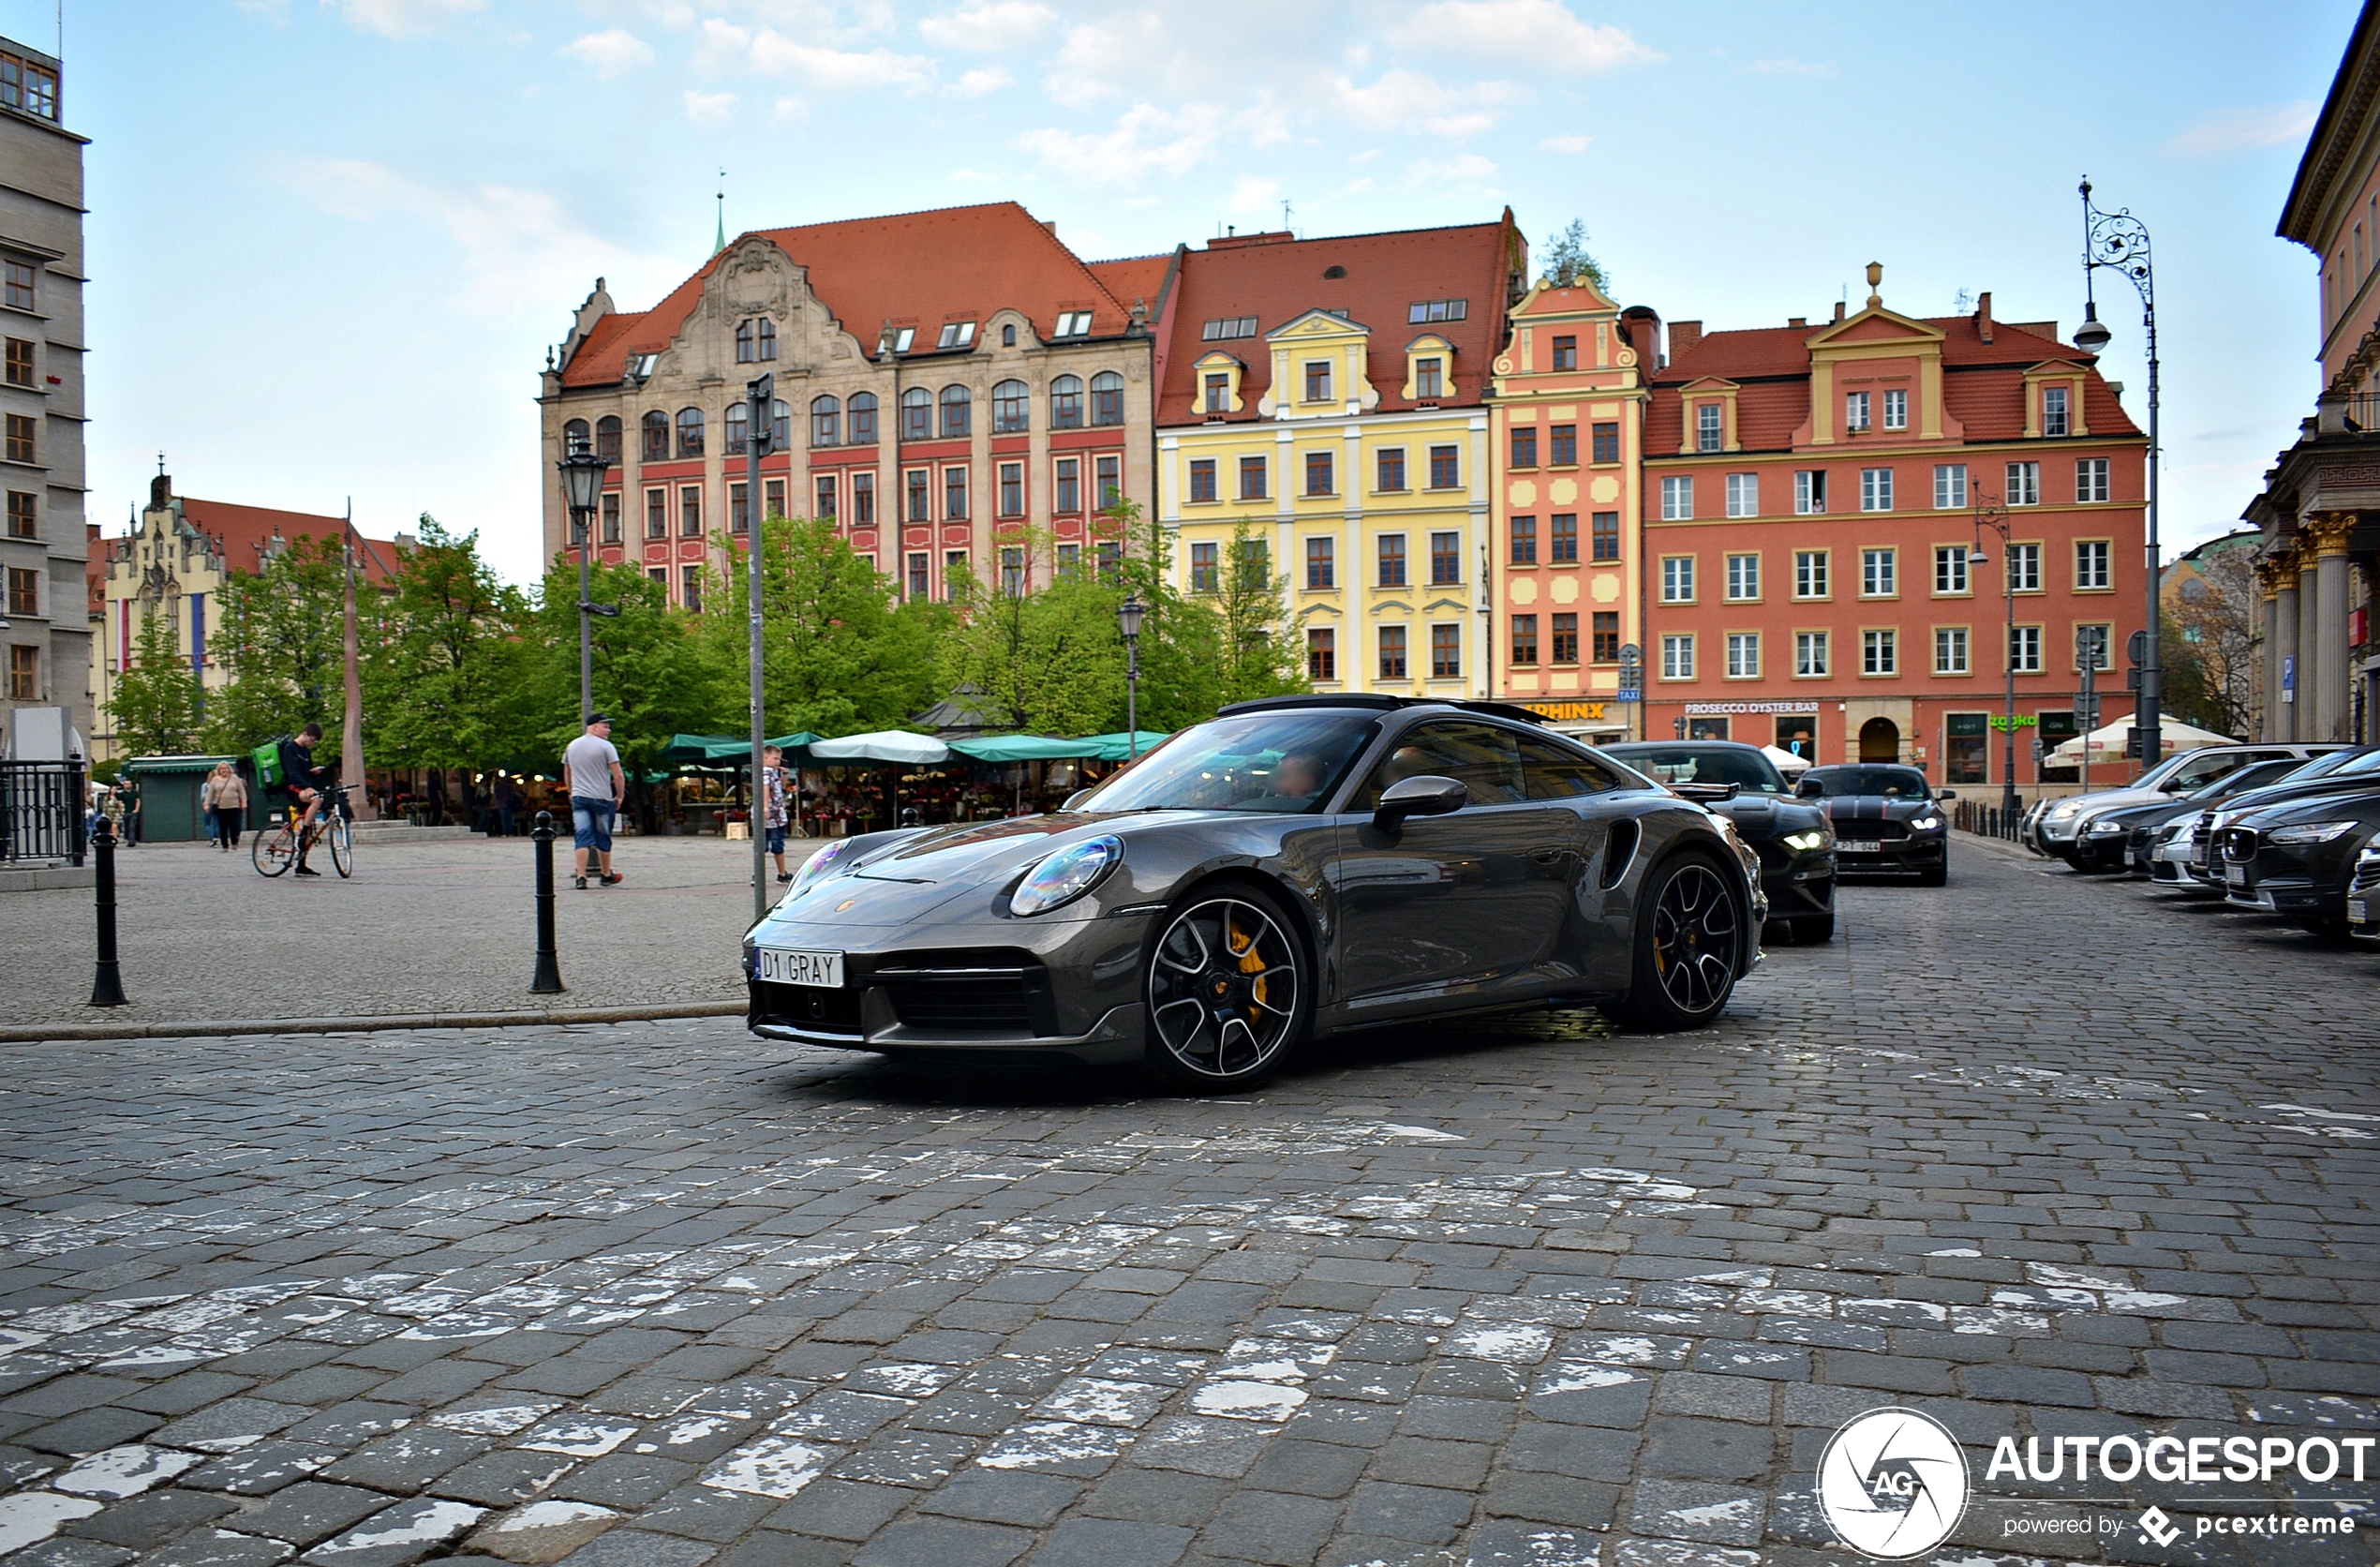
(302, 780)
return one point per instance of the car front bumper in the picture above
(1896, 856)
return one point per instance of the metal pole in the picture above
(106, 981)
(351, 736)
(760, 422)
(582, 525)
(1132, 698)
(549, 968)
(2149, 712)
(2008, 764)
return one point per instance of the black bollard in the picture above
(106, 983)
(549, 965)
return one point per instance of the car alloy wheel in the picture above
(1224, 997)
(1694, 939)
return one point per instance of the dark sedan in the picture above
(1792, 837)
(2120, 839)
(1885, 819)
(1294, 865)
(2349, 769)
(2297, 860)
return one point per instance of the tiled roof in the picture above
(917, 268)
(1136, 277)
(245, 530)
(1277, 280)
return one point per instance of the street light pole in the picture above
(761, 424)
(1128, 617)
(1991, 515)
(2120, 240)
(583, 471)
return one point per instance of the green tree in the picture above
(156, 706)
(1257, 654)
(1567, 257)
(282, 640)
(442, 683)
(1047, 663)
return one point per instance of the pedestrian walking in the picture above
(597, 790)
(777, 803)
(508, 803)
(130, 789)
(224, 797)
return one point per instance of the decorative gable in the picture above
(1322, 368)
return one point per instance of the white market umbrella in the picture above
(1786, 761)
(2107, 744)
(896, 746)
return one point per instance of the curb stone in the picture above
(212, 1027)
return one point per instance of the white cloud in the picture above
(1106, 58)
(403, 19)
(709, 109)
(988, 26)
(793, 109)
(1405, 101)
(1789, 68)
(1467, 171)
(1146, 142)
(822, 70)
(982, 80)
(611, 51)
(1542, 32)
(2244, 129)
(1565, 143)
(1253, 195)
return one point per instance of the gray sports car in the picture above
(1294, 865)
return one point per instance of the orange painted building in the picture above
(1811, 496)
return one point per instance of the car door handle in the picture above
(1549, 857)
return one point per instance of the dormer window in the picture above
(1074, 323)
(1317, 381)
(1437, 310)
(1218, 393)
(641, 365)
(897, 339)
(1429, 379)
(955, 334)
(1224, 327)
(2053, 411)
(1008, 337)
(1709, 427)
(1855, 411)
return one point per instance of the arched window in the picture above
(916, 414)
(1107, 398)
(574, 437)
(744, 341)
(608, 438)
(780, 426)
(1011, 408)
(657, 437)
(958, 405)
(739, 424)
(826, 422)
(767, 338)
(689, 432)
(1065, 403)
(863, 419)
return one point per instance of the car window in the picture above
(1284, 762)
(1554, 772)
(1889, 782)
(2205, 771)
(1484, 759)
(2255, 777)
(1749, 770)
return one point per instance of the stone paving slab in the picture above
(2038, 1155)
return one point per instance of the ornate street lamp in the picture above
(1991, 515)
(2120, 240)
(1129, 615)
(583, 486)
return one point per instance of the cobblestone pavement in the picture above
(2037, 1156)
(440, 926)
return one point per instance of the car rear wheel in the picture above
(1688, 923)
(1228, 993)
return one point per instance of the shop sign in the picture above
(1568, 712)
(1809, 707)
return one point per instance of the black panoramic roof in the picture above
(1378, 702)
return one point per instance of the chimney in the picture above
(1982, 315)
(1797, 321)
(1839, 309)
(1683, 336)
(1051, 224)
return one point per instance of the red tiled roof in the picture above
(1277, 280)
(1136, 277)
(917, 268)
(245, 530)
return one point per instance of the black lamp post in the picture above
(583, 473)
(1991, 515)
(1129, 615)
(2120, 241)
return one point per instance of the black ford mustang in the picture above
(1292, 865)
(1885, 819)
(1793, 839)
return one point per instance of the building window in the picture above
(1204, 575)
(660, 574)
(1967, 742)
(655, 430)
(781, 424)
(1875, 489)
(1524, 639)
(1524, 446)
(1445, 559)
(1065, 403)
(767, 339)
(1392, 546)
(1446, 652)
(1743, 495)
(1252, 479)
(1677, 579)
(1218, 391)
(1069, 485)
(1110, 560)
(1429, 381)
(1677, 498)
(24, 592)
(1391, 652)
(1436, 310)
(921, 494)
(1950, 569)
(2090, 479)
(1896, 410)
(863, 499)
(2053, 411)
(689, 510)
(1317, 381)
(744, 349)
(1565, 353)
(1202, 479)
(954, 335)
(1854, 413)
(1228, 326)
(611, 514)
(917, 587)
(1107, 398)
(1950, 486)
(1809, 653)
(1012, 489)
(1069, 555)
(863, 489)
(2024, 483)
(1607, 636)
(25, 671)
(1525, 541)
(1743, 655)
(690, 587)
(21, 371)
(2101, 638)
(1809, 574)
(1565, 443)
(1809, 492)
(689, 432)
(1321, 563)
(1677, 656)
(916, 414)
(1445, 472)
(1322, 654)
(1565, 537)
(2094, 568)
(1012, 572)
(1950, 649)
(957, 412)
(739, 419)
(657, 514)
(1879, 652)
(863, 419)
(1566, 638)
(2024, 650)
(1743, 577)
(954, 494)
(1073, 323)
(18, 293)
(954, 572)
(1607, 442)
(1011, 408)
(25, 517)
(1709, 427)
(1317, 473)
(1607, 535)
(1879, 574)
(608, 438)
(1392, 465)
(2024, 568)
(1110, 475)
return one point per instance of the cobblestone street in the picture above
(2035, 1155)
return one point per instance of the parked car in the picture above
(1885, 819)
(2119, 839)
(1792, 837)
(2050, 827)
(1293, 865)
(2295, 859)
(2344, 768)
(2363, 895)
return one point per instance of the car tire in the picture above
(1211, 982)
(1938, 876)
(1688, 909)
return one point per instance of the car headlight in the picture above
(2060, 812)
(817, 866)
(1926, 823)
(2310, 832)
(2103, 829)
(1066, 875)
(1804, 843)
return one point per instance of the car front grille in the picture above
(969, 992)
(1870, 829)
(809, 1006)
(2367, 876)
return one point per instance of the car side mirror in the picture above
(1425, 796)
(1946, 794)
(1810, 788)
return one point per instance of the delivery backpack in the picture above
(267, 758)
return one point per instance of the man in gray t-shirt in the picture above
(597, 788)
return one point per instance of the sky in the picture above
(331, 241)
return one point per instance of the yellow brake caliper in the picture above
(1250, 963)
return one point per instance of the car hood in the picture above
(1874, 808)
(2334, 805)
(2284, 794)
(1761, 817)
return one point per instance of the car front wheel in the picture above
(1688, 927)
(1228, 990)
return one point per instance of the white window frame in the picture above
(1855, 412)
(1895, 408)
(2024, 483)
(2024, 567)
(1813, 655)
(2104, 576)
(1950, 487)
(1949, 572)
(1743, 495)
(1875, 489)
(1710, 427)
(1951, 650)
(2090, 480)
(1677, 656)
(1813, 566)
(2029, 638)
(1743, 577)
(1677, 498)
(2058, 417)
(1743, 655)
(1677, 579)
(1879, 652)
(1809, 492)
(1879, 564)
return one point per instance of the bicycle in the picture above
(276, 850)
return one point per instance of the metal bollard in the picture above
(549, 966)
(107, 982)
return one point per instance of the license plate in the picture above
(781, 966)
(1858, 846)
(2236, 875)
(2355, 915)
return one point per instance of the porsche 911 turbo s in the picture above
(1792, 837)
(1885, 819)
(1292, 866)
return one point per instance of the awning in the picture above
(1026, 748)
(176, 763)
(1786, 761)
(893, 746)
(1117, 747)
(2108, 744)
(723, 750)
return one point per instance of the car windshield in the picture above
(1285, 762)
(2247, 778)
(1749, 770)
(2329, 762)
(1891, 782)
